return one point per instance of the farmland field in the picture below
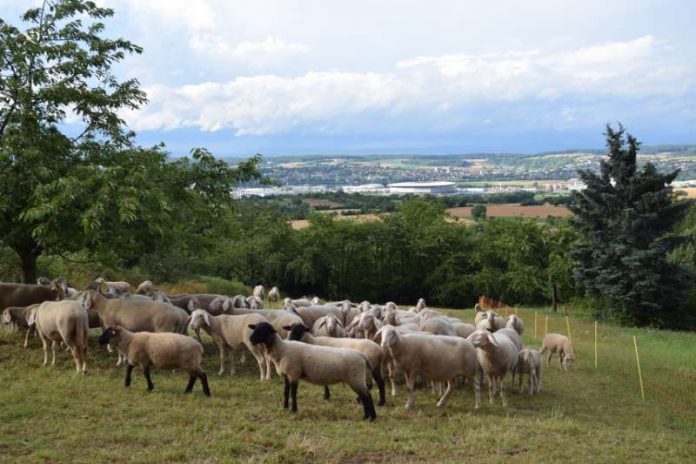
(516, 210)
(588, 415)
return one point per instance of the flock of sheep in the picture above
(321, 343)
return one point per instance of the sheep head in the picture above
(296, 331)
(199, 317)
(110, 335)
(483, 339)
(6, 317)
(263, 332)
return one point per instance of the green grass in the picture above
(587, 415)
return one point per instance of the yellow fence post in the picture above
(546, 325)
(640, 375)
(535, 324)
(595, 344)
(568, 328)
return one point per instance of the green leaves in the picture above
(623, 217)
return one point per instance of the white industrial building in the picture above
(422, 188)
(368, 189)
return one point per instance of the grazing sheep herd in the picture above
(321, 343)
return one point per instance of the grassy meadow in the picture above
(588, 415)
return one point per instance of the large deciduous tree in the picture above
(72, 178)
(624, 216)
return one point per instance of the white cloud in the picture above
(445, 91)
(272, 49)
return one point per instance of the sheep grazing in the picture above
(259, 292)
(557, 343)
(62, 321)
(434, 359)
(18, 318)
(497, 355)
(373, 352)
(274, 295)
(120, 285)
(515, 322)
(162, 350)
(320, 365)
(145, 288)
(328, 326)
(529, 362)
(231, 333)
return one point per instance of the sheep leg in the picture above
(327, 393)
(447, 393)
(204, 382)
(53, 350)
(477, 391)
(260, 361)
(491, 388)
(222, 359)
(502, 392)
(377, 375)
(109, 349)
(44, 344)
(76, 357)
(293, 395)
(26, 337)
(411, 383)
(191, 382)
(146, 373)
(129, 371)
(548, 359)
(286, 392)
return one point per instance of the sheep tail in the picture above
(368, 377)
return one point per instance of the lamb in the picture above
(328, 326)
(557, 343)
(273, 295)
(231, 332)
(497, 355)
(373, 352)
(259, 292)
(120, 285)
(18, 316)
(515, 322)
(433, 358)
(321, 365)
(162, 350)
(62, 321)
(529, 362)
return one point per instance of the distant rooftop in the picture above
(433, 184)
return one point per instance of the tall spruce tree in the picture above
(623, 216)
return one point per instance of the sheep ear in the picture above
(252, 326)
(206, 318)
(191, 306)
(323, 323)
(226, 305)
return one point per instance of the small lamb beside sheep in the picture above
(529, 362)
(557, 343)
(162, 350)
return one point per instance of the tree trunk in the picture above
(28, 257)
(554, 297)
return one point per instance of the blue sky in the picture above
(297, 77)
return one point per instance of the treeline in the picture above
(297, 207)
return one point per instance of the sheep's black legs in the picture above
(129, 370)
(293, 394)
(286, 392)
(146, 373)
(377, 375)
(368, 405)
(191, 382)
(327, 393)
(204, 381)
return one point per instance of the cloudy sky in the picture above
(383, 76)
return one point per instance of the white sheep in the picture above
(529, 362)
(373, 352)
(259, 292)
(497, 355)
(231, 333)
(162, 350)
(512, 335)
(515, 322)
(432, 358)
(557, 343)
(328, 326)
(120, 285)
(320, 365)
(273, 295)
(420, 305)
(62, 321)
(145, 288)
(489, 321)
(437, 326)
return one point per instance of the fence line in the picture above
(640, 375)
